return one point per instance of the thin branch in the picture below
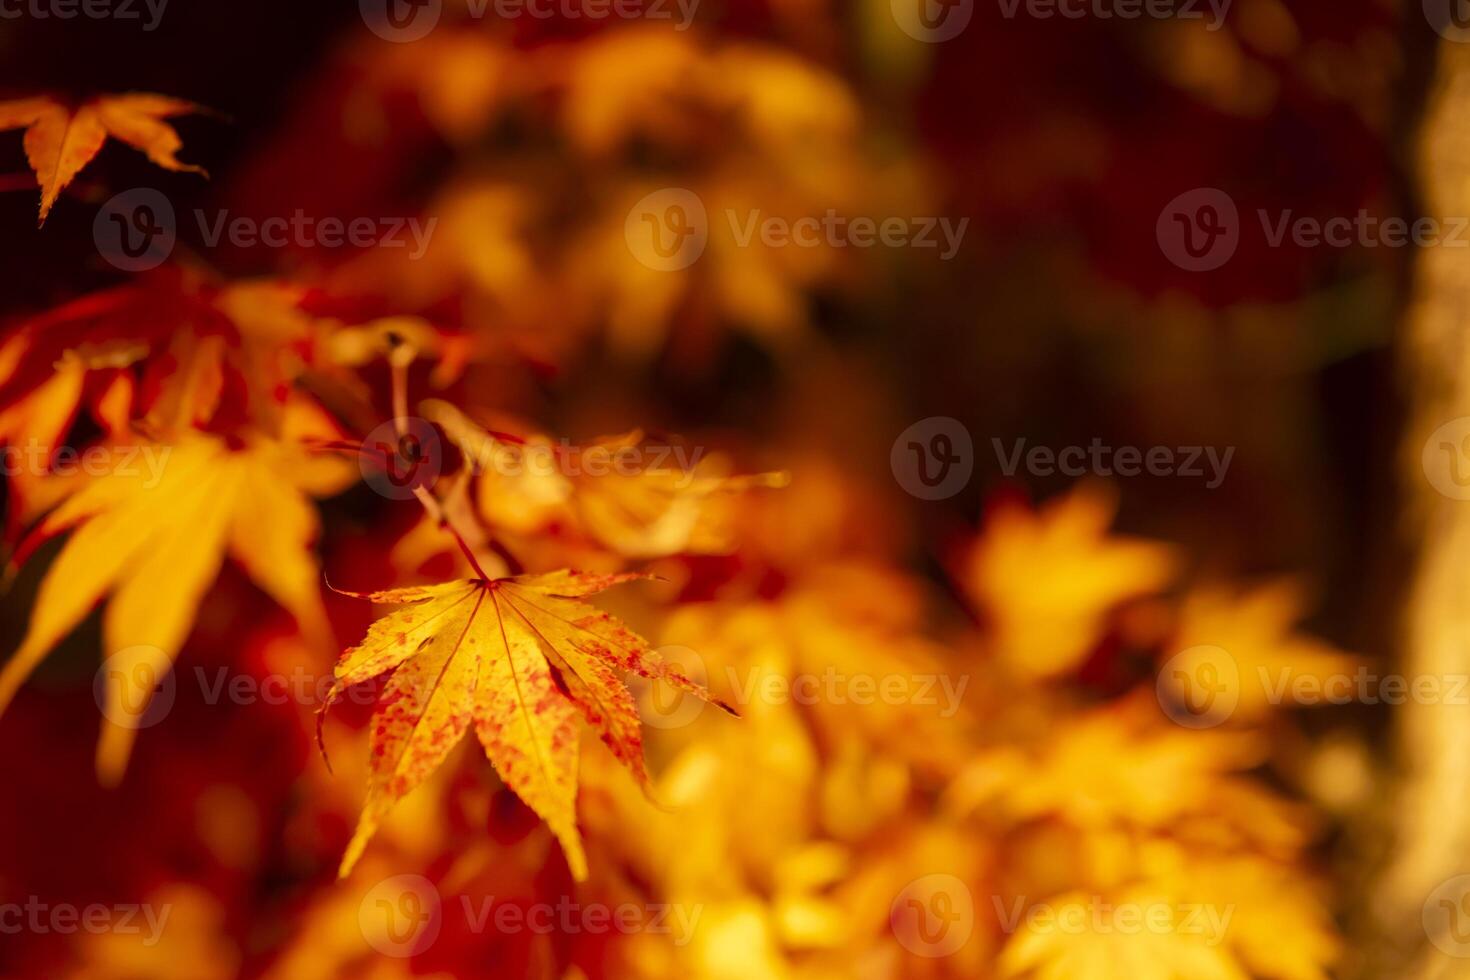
(458, 521)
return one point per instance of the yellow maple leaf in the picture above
(1046, 579)
(1109, 767)
(1244, 645)
(844, 642)
(521, 658)
(153, 533)
(1091, 947)
(1279, 924)
(624, 84)
(60, 140)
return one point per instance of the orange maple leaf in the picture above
(60, 140)
(521, 657)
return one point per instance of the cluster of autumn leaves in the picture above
(1023, 751)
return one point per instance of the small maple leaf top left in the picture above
(60, 140)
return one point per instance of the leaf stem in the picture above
(457, 521)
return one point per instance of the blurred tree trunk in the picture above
(1428, 828)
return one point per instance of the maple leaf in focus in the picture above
(1046, 579)
(521, 658)
(60, 140)
(153, 532)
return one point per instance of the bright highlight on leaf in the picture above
(521, 659)
(60, 140)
